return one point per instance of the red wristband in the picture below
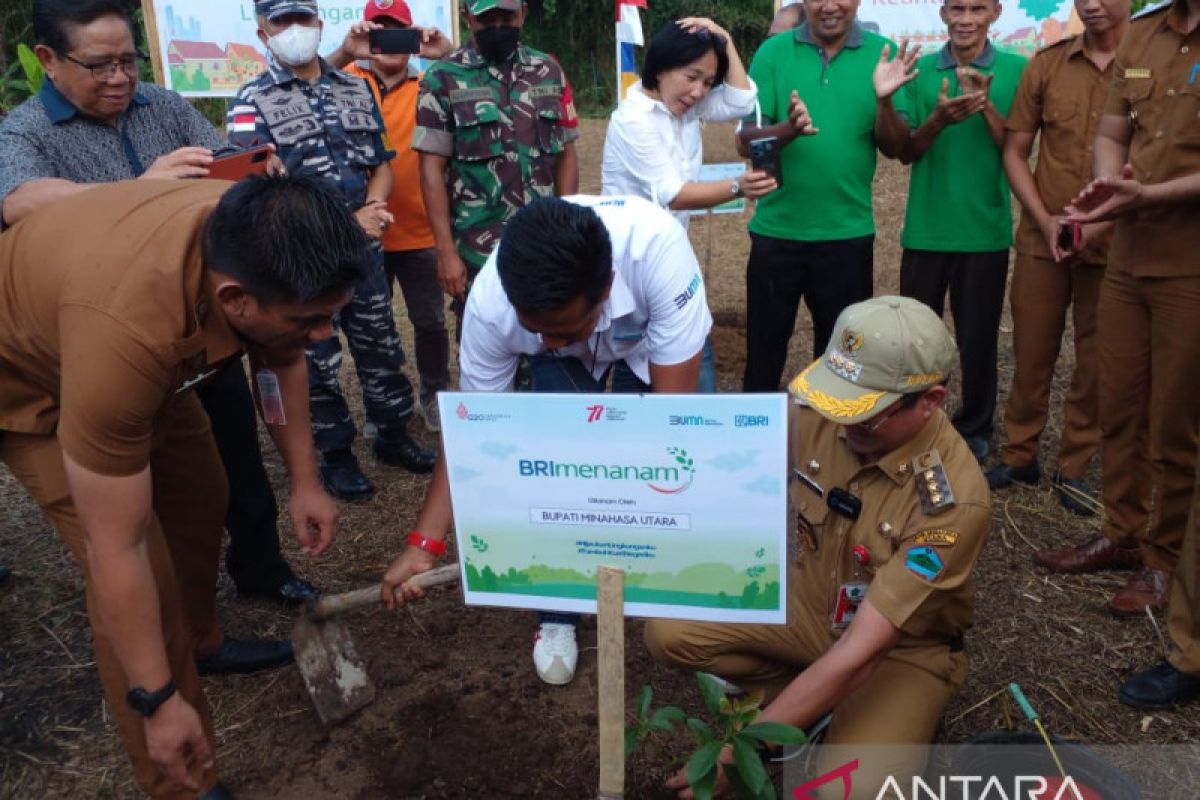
(419, 540)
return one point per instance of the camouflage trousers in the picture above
(370, 331)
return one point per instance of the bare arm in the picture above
(1112, 145)
(889, 77)
(115, 513)
(566, 171)
(32, 195)
(678, 378)
(1017, 149)
(842, 669)
(452, 272)
(313, 513)
(996, 125)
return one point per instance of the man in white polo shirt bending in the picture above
(593, 290)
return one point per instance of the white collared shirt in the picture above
(650, 152)
(657, 311)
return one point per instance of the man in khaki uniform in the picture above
(103, 334)
(892, 512)
(1147, 164)
(1062, 95)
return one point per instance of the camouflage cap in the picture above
(881, 348)
(480, 6)
(273, 9)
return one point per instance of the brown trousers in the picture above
(1041, 292)
(900, 704)
(1149, 348)
(183, 540)
(1183, 618)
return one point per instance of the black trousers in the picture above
(976, 283)
(253, 559)
(828, 275)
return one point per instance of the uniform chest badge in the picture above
(1132, 73)
(933, 486)
(849, 598)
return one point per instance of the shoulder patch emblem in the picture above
(933, 486)
(939, 537)
(925, 562)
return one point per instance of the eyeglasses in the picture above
(104, 71)
(879, 420)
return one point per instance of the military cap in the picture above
(480, 6)
(881, 349)
(273, 9)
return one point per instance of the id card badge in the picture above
(271, 397)
(849, 598)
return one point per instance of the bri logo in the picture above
(751, 421)
(685, 297)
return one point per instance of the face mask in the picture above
(297, 45)
(497, 45)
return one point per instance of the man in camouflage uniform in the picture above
(327, 121)
(495, 129)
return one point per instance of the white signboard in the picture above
(1025, 26)
(686, 493)
(209, 49)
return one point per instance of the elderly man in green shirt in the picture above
(958, 226)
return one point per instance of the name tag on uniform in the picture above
(1137, 72)
(850, 597)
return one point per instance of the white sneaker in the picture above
(555, 653)
(429, 413)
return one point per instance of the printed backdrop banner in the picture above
(210, 49)
(1025, 26)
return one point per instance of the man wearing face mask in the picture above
(327, 121)
(495, 132)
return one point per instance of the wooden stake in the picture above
(152, 44)
(611, 639)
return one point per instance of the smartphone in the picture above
(1070, 237)
(240, 164)
(764, 156)
(391, 41)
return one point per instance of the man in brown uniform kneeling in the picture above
(114, 303)
(892, 512)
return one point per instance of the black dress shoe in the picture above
(1002, 475)
(243, 656)
(218, 792)
(398, 449)
(980, 447)
(292, 592)
(1161, 686)
(342, 476)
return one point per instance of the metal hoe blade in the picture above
(334, 673)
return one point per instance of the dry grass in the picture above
(1048, 632)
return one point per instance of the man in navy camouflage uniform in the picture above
(324, 120)
(496, 130)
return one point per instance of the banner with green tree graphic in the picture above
(685, 493)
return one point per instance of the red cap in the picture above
(393, 9)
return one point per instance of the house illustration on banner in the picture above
(204, 66)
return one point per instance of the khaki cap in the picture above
(881, 349)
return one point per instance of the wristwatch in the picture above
(736, 187)
(146, 703)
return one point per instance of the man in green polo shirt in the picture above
(814, 236)
(958, 227)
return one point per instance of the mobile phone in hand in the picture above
(764, 156)
(394, 41)
(1070, 236)
(240, 164)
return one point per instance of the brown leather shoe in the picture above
(1092, 556)
(1148, 588)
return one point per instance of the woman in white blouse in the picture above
(692, 74)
